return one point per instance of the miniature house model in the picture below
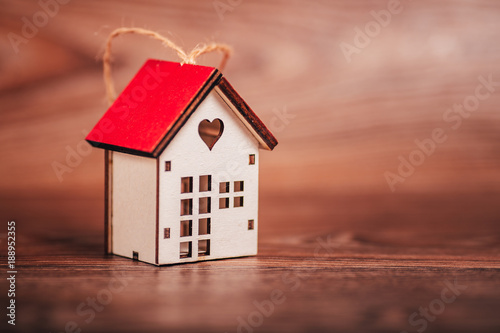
(181, 166)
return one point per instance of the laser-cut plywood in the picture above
(182, 162)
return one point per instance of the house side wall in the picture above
(108, 180)
(134, 193)
(228, 161)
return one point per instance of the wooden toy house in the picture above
(181, 167)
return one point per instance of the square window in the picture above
(251, 159)
(166, 233)
(186, 228)
(238, 201)
(187, 185)
(168, 166)
(187, 207)
(224, 187)
(203, 247)
(204, 226)
(223, 203)
(205, 183)
(205, 205)
(250, 224)
(238, 186)
(186, 250)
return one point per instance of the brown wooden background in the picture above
(388, 253)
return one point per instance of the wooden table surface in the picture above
(340, 249)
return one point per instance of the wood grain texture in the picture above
(387, 254)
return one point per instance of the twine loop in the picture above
(190, 58)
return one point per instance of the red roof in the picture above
(157, 102)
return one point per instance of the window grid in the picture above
(204, 223)
(224, 187)
(204, 207)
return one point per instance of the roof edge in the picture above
(247, 113)
(119, 149)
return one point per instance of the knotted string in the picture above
(186, 58)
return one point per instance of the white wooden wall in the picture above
(227, 161)
(134, 206)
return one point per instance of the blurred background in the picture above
(364, 97)
(344, 105)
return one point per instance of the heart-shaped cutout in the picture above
(210, 131)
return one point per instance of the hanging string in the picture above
(186, 58)
(203, 48)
